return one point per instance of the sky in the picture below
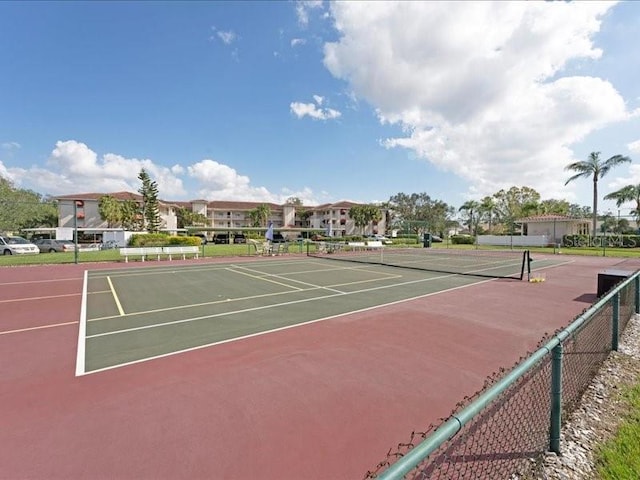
(359, 101)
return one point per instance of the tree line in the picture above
(415, 212)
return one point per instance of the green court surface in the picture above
(137, 314)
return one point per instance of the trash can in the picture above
(426, 240)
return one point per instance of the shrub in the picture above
(463, 240)
(161, 239)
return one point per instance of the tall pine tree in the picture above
(150, 209)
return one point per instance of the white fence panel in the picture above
(515, 240)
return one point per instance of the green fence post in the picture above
(616, 321)
(556, 399)
(637, 291)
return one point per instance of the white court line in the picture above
(53, 325)
(27, 282)
(263, 277)
(266, 332)
(240, 299)
(283, 277)
(161, 270)
(115, 297)
(45, 297)
(264, 307)
(82, 329)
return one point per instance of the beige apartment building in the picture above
(81, 210)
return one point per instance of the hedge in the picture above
(161, 240)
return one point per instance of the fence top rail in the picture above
(454, 424)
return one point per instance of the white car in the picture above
(379, 238)
(16, 246)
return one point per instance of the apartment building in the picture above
(331, 218)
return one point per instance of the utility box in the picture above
(607, 279)
(427, 240)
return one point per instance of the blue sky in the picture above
(325, 101)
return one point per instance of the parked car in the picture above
(239, 238)
(379, 238)
(108, 245)
(221, 238)
(16, 245)
(278, 238)
(48, 245)
(436, 239)
(203, 238)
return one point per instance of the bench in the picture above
(144, 252)
(373, 244)
(141, 252)
(183, 250)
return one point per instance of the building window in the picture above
(583, 229)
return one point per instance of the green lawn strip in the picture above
(619, 458)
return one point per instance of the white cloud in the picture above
(217, 181)
(634, 147)
(227, 37)
(297, 42)
(73, 167)
(301, 110)
(11, 146)
(303, 8)
(488, 104)
(5, 173)
(309, 109)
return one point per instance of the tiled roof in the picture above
(549, 218)
(215, 204)
(341, 204)
(96, 196)
(231, 205)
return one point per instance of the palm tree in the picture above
(487, 207)
(630, 193)
(471, 208)
(596, 168)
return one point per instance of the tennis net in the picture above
(478, 263)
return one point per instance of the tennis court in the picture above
(379, 352)
(139, 314)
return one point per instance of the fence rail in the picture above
(504, 430)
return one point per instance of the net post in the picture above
(526, 263)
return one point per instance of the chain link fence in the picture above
(503, 431)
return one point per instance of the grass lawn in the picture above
(619, 458)
(210, 250)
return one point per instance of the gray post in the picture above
(637, 293)
(556, 399)
(75, 231)
(615, 322)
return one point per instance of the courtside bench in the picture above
(184, 251)
(144, 252)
